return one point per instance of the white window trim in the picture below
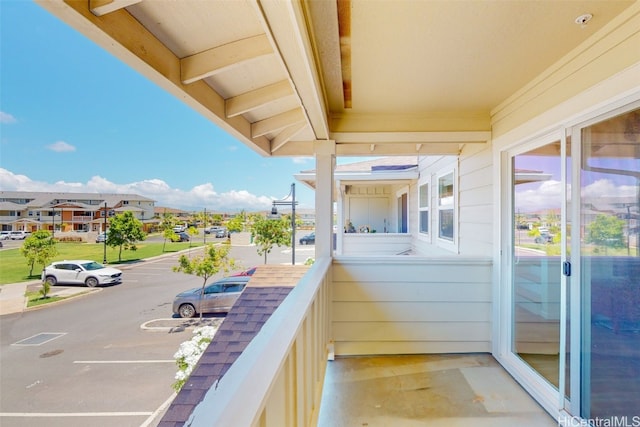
(425, 235)
(451, 245)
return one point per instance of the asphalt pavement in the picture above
(13, 299)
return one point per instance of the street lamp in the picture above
(292, 203)
(104, 241)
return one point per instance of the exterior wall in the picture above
(475, 204)
(368, 205)
(402, 305)
(376, 243)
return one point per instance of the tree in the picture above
(607, 231)
(216, 219)
(270, 232)
(38, 248)
(215, 259)
(235, 224)
(124, 231)
(192, 232)
(167, 222)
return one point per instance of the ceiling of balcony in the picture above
(378, 77)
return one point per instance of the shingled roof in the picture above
(266, 290)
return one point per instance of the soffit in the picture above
(378, 77)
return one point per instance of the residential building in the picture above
(480, 92)
(68, 212)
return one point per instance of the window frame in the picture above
(426, 183)
(445, 242)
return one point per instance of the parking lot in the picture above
(104, 358)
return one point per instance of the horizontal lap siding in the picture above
(477, 215)
(398, 306)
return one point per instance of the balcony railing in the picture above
(278, 378)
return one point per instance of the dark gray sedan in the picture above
(218, 297)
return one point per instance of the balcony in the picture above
(362, 313)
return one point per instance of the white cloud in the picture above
(61, 147)
(607, 188)
(548, 195)
(6, 118)
(197, 198)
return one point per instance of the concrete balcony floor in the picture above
(426, 390)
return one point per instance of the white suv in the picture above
(81, 271)
(4, 235)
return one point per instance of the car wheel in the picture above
(51, 280)
(186, 310)
(91, 282)
(303, 242)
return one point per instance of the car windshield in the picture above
(92, 266)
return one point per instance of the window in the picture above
(446, 206)
(234, 287)
(424, 208)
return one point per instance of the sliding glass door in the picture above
(609, 269)
(536, 258)
(574, 266)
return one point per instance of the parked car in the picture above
(4, 235)
(183, 237)
(544, 237)
(19, 235)
(212, 230)
(309, 239)
(101, 237)
(179, 228)
(222, 232)
(218, 297)
(87, 272)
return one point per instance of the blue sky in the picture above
(74, 118)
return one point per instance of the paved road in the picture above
(89, 361)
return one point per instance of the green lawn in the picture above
(14, 268)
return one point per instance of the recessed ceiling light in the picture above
(583, 19)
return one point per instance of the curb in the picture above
(82, 293)
(179, 324)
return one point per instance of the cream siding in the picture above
(475, 203)
(411, 305)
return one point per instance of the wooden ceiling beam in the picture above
(277, 122)
(209, 62)
(257, 98)
(285, 136)
(412, 137)
(102, 7)
(398, 149)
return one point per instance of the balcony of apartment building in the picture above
(351, 78)
(360, 341)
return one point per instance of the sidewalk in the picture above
(12, 299)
